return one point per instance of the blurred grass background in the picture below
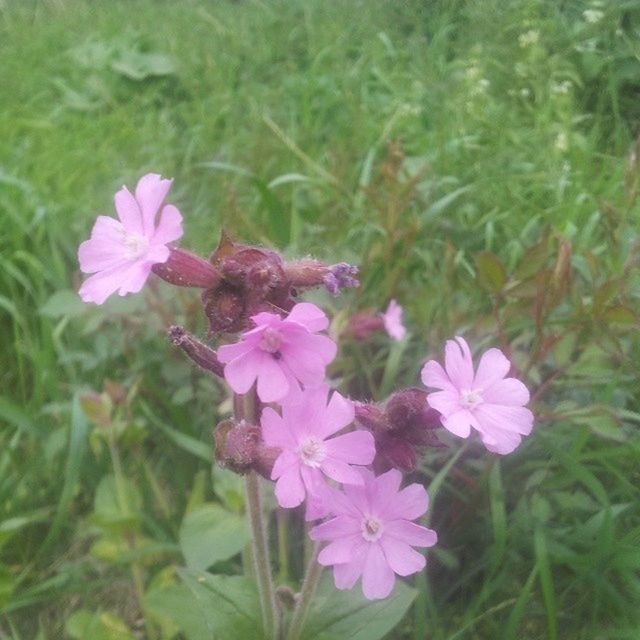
(476, 159)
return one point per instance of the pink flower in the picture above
(372, 534)
(120, 253)
(308, 455)
(487, 400)
(279, 353)
(392, 319)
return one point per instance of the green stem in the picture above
(282, 518)
(309, 586)
(246, 409)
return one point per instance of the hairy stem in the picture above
(309, 586)
(245, 408)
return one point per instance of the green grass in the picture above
(433, 143)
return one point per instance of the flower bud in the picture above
(185, 269)
(204, 356)
(224, 306)
(364, 324)
(239, 447)
(341, 276)
(371, 417)
(408, 408)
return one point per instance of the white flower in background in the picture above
(562, 142)
(528, 38)
(561, 88)
(593, 15)
(525, 92)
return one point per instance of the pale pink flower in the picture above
(280, 353)
(392, 319)
(120, 253)
(372, 534)
(308, 453)
(486, 400)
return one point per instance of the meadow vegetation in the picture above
(478, 160)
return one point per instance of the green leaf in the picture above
(175, 609)
(66, 303)
(491, 274)
(117, 504)
(84, 624)
(348, 615)
(229, 605)
(211, 534)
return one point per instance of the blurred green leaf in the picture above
(86, 625)
(491, 273)
(210, 534)
(137, 65)
(348, 615)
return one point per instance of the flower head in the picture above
(392, 318)
(308, 454)
(120, 253)
(280, 353)
(372, 533)
(486, 400)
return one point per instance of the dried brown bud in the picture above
(204, 356)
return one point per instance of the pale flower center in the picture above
(135, 244)
(371, 529)
(312, 452)
(271, 340)
(470, 398)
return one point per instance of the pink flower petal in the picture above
(340, 413)
(151, 190)
(242, 371)
(504, 418)
(460, 423)
(433, 375)
(133, 277)
(128, 211)
(384, 489)
(356, 447)
(309, 316)
(409, 504)
(335, 528)
(493, 366)
(272, 382)
(289, 488)
(105, 249)
(305, 365)
(283, 464)
(509, 391)
(345, 575)
(340, 471)
(275, 431)
(339, 551)
(169, 227)
(458, 363)
(228, 352)
(445, 402)
(410, 533)
(98, 287)
(377, 577)
(402, 559)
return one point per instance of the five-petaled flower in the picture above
(392, 319)
(121, 253)
(280, 353)
(487, 400)
(372, 533)
(308, 454)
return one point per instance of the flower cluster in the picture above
(320, 448)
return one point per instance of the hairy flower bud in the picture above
(341, 276)
(186, 269)
(204, 356)
(224, 306)
(313, 273)
(408, 408)
(364, 324)
(239, 447)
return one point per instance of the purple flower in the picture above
(280, 353)
(308, 455)
(486, 400)
(120, 253)
(372, 534)
(341, 276)
(392, 319)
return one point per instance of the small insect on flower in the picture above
(280, 353)
(372, 533)
(486, 400)
(308, 455)
(121, 253)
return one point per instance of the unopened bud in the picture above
(185, 269)
(341, 276)
(364, 324)
(408, 408)
(204, 356)
(239, 447)
(225, 308)
(371, 417)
